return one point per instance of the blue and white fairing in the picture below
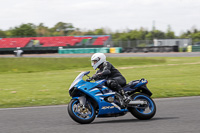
(97, 91)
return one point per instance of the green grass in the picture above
(45, 81)
(29, 65)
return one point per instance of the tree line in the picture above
(67, 29)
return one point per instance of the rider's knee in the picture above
(112, 84)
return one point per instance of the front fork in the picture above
(82, 101)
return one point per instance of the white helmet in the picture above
(97, 59)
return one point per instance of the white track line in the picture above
(36, 107)
(58, 106)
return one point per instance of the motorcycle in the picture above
(94, 99)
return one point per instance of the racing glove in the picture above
(97, 76)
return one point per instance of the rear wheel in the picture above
(80, 114)
(143, 112)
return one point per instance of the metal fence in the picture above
(148, 43)
(128, 43)
(141, 46)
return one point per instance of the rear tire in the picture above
(140, 112)
(76, 115)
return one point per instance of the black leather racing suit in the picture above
(115, 80)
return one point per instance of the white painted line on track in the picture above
(36, 107)
(175, 98)
(59, 106)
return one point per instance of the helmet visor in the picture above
(94, 62)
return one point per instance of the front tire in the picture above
(143, 112)
(79, 114)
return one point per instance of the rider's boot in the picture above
(124, 96)
(121, 91)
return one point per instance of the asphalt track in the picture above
(174, 115)
(170, 54)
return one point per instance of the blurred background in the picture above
(133, 26)
(168, 29)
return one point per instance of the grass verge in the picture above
(22, 83)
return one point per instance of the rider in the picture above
(115, 80)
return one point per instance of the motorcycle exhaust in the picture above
(132, 103)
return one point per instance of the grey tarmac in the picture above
(174, 115)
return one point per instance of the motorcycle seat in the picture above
(131, 84)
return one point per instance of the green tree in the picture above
(42, 30)
(99, 32)
(143, 33)
(62, 28)
(76, 32)
(135, 35)
(89, 32)
(195, 37)
(149, 36)
(8, 33)
(169, 34)
(124, 36)
(24, 30)
(2, 34)
(156, 34)
(185, 35)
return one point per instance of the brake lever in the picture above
(88, 76)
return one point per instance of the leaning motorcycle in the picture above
(95, 99)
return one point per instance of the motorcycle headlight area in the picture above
(72, 91)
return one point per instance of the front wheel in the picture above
(143, 112)
(80, 114)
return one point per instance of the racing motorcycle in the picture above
(95, 99)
